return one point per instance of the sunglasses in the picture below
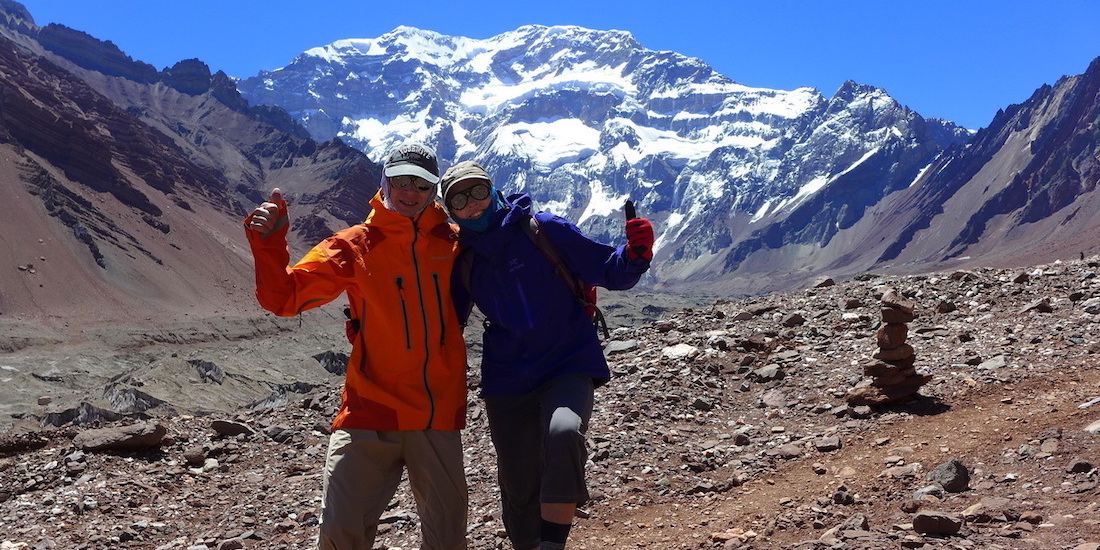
(401, 182)
(459, 199)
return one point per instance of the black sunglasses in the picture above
(401, 182)
(459, 199)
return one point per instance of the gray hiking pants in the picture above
(541, 452)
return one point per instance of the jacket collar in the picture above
(518, 209)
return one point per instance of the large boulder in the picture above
(122, 438)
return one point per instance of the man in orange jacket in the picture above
(404, 398)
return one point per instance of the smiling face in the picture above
(410, 200)
(474, 207)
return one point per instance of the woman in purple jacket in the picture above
(542, 357)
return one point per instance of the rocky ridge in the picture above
(725, 426)
(123, 193)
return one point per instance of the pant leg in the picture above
(566, 407)
(362, 472)
(517, 437)
(438, 481)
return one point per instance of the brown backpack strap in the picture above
(575, 284)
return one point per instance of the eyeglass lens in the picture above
(460, 199)
(402, 182)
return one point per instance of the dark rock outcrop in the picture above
(91, 53)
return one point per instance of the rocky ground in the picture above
(725, 426)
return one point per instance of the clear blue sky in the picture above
(955, 59)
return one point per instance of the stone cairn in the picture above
(893, 375)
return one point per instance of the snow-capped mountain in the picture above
(584, 119)
(143, 174)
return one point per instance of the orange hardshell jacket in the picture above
(407, 369)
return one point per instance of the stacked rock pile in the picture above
(893, 375)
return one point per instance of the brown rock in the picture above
(759, 310)
(194, 456)
(828, 444)
(788, 451)
(1078, 466)
(1031, 516)
(228, 428)
(892, 335)
(990, 510)
(904, 351)
(895, 378)
(895, 315)
(757, 342)
(1042, 306)
(892, 298)
(875, 395)
(937, 523)
(962, 275)
(119, 438)
(884, 368)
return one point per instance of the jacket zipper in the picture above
(404, 312)
(424, 318)
(439, 304)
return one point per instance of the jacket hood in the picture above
(519, 208)
(431, 216)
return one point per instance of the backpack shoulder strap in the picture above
(534, 232)
(585, 293)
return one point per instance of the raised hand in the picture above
(270, 215)
(639, 239)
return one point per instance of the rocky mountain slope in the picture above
(725, 426)
(125, 188)
(1022, 191)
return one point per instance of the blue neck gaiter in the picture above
(481, 224)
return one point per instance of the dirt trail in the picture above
(979, 425)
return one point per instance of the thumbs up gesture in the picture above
(639, 234)
(639, 239)
(269, 215)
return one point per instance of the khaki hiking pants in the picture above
(362, 472)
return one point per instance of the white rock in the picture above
(680, 351)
